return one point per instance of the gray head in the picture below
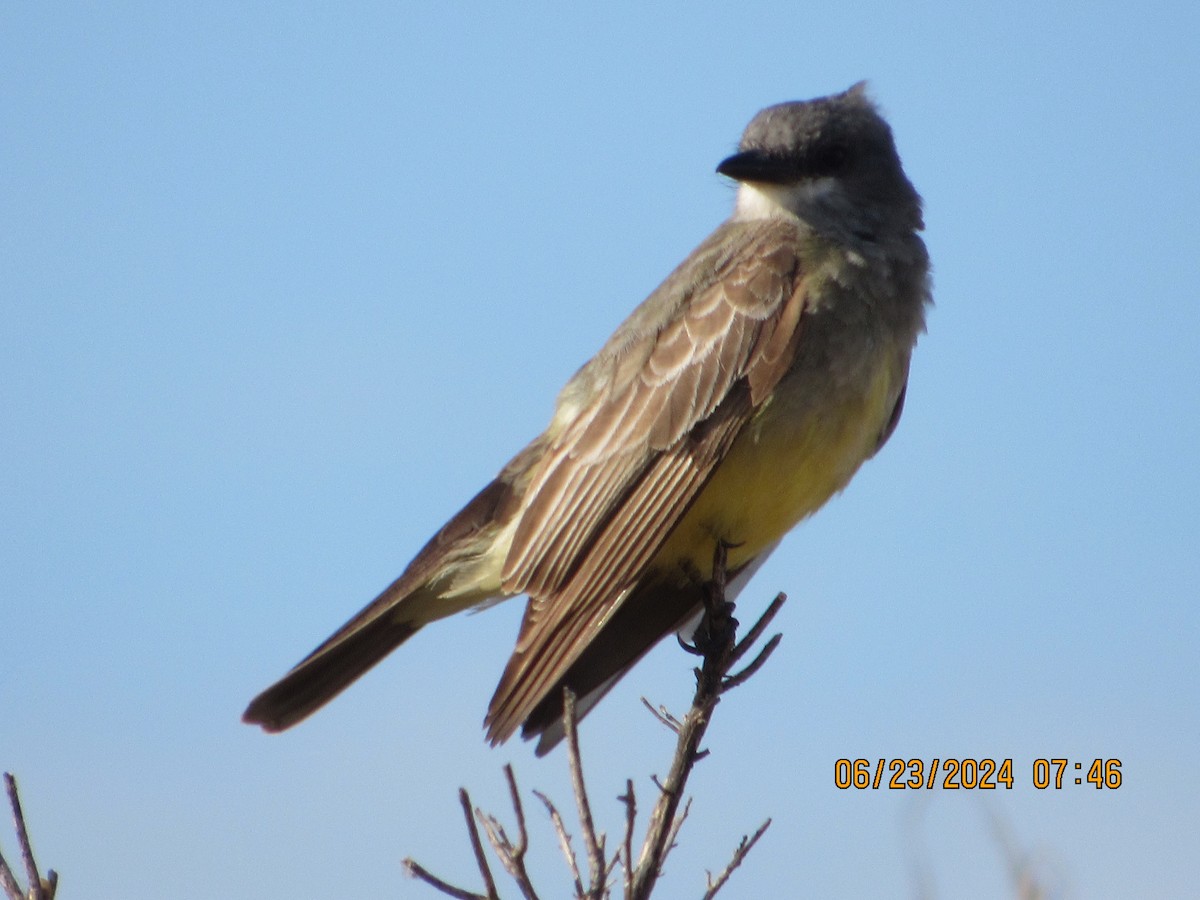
(824, 160)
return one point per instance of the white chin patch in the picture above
(756, 200)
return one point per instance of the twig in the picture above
(673, 837)
(591, 841)
(464, 800)
(738, 855)
(756, 631)
(564, 840)
(715, 638)
(690, 733)
(515, 796)
(662, 715)
(715, 641)
(417, 871)
(8, 881)
(511, 856)
(39, 888)
(732, 681)
(630, 801)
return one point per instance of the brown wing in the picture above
(666, 403)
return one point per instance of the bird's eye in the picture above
(829, 159)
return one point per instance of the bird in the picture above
(733, 402)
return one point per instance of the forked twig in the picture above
(715, 641)
(715, 638)
(663, 715)
(737, 678)
(413, 868)
(511, 856)
(738, 855)
(756, 630)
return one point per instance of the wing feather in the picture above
(556, 633)
(706, 321)
(653, 415)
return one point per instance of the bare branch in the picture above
(716, 617)
(741, 677)
(8, 881)
(663, 715)
(511, 856)
(515, 795)
(418, 871)
(415, 870)
(32, 876)
(592, 842)
(39, 888)
(738, 855)
(564, 841)
(673, 837)
(715, 642)
(630, 801)
(715, 638)
(758, 628)
(464, 800)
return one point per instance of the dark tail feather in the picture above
(325, 674)
(645, 618)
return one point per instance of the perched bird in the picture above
(736, 399)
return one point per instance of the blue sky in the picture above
(282, 285)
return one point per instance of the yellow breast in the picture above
(798, 452)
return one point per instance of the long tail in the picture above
(387, 621)
(326, 673)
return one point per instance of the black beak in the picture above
(754, 165)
